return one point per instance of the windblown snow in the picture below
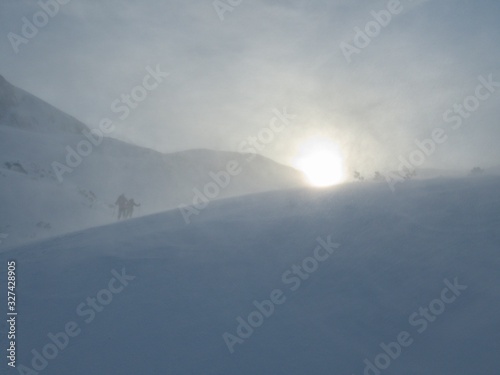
(350, 280)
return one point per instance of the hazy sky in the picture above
(227, 76)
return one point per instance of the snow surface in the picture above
(193, 281)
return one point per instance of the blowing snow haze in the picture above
(249, 187)
(371, 76)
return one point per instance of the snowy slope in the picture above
(22, 110)
(36, 204)
(191, 283)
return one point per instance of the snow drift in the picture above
(415, 270)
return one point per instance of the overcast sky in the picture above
(227, 76)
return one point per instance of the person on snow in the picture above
(121, 202)
(130, 207)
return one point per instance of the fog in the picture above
(227, 75)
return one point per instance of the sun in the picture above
(321, 162)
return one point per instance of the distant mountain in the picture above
(37, 202)
(22, 110)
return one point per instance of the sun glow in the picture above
(320, 160)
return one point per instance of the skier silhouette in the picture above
(129, 207)
(121, 202)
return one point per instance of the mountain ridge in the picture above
(20, 109)
(34, 137)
